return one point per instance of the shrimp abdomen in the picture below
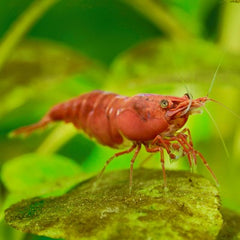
(93, 112)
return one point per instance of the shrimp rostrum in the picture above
(149, 120)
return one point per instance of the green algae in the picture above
(189, 209)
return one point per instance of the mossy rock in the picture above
(188, 209)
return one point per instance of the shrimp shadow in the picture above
(231, 225)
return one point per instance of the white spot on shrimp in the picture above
(110, 111)
(118, 112)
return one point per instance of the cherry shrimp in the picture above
(150, 120)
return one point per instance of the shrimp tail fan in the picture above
(26, 130)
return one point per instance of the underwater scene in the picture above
(119, 119)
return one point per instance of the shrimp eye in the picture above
(164, 103)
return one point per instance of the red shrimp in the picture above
(118, 121)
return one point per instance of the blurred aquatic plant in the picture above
(148, 46)
(38, 66)
(46, 175)
(22, 26)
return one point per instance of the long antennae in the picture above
(187, 89)
(219, 132)
(214, 76)
(226, 107)
(188, 107)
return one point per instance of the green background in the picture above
(128, 47)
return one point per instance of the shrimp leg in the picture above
(131, 167)
(114, 156)
(159, 149)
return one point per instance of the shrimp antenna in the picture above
(219, 132)
(226, 107)
(187, 89)
(190, 98)
(214, 76)
(188, 92)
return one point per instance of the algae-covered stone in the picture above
(189, 209)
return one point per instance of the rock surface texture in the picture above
(188, 209)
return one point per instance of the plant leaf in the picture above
(35, 175)
(163, 67)
(37, 66)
